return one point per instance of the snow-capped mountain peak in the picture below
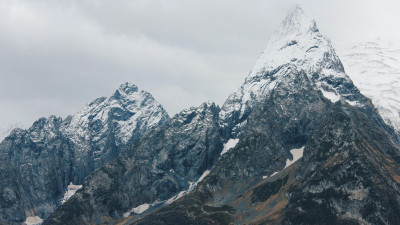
(45, 128)
(296, 46)
(127, 88)
(296, 22)
(297, 42)
(126, 111)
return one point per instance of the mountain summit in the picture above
(296, 22)
(297, 45)
(127, 88)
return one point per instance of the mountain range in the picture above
(297, 143)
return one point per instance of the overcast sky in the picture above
(57, 55)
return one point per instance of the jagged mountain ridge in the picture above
(284, 107)
(167, 160)
(40, 162)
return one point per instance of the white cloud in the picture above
(58, 55)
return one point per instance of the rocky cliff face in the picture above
(167, 160)
(36, 166)
(349, 172)
(39, 163)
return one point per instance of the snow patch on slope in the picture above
(144, 207)
(33, 220)
(265, 177)
(71, 190)
(297, 153)
(333, 97)
(231, 143)
(141, 208)
(192, 185)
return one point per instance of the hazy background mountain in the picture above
(374, 67)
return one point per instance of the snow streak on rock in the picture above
(297, 153)
(33, 220)
(141, 208)
(72, 188)
(191, 187)
(231, 143)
